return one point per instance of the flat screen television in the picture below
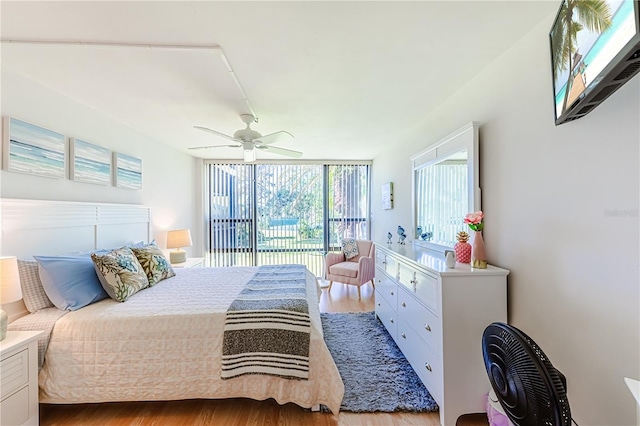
(595, 49)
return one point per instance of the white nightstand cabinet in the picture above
(437, 316)
(19, 373)
(192, 262)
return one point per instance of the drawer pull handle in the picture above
(426, 326)
(427, 366)
(404, 336)
(413, 281)
(391, 320)
(392, 293)
(384, 263)
(378, 303)
(404, 305)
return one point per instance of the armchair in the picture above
(357, 271)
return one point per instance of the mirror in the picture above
(445, 188)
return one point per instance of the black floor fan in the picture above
(530, 390)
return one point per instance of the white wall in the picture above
(548, 194)
(171, 179)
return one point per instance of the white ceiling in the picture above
(345, 78)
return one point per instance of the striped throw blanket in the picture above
(267, 327)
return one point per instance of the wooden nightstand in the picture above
(192, 262)
(19, 371)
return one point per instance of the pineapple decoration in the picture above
(462, 248)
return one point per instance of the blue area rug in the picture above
(376, 376)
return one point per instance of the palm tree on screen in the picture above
(574, 16)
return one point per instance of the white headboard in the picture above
(41, 227)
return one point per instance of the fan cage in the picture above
(534, 392)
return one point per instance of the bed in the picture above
(164, 342)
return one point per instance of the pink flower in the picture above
(474, 220)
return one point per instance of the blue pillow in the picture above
(70, 281)
(138, 245)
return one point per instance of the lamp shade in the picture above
(179, 238)
(10, 290)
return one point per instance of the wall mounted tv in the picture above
(595, 49)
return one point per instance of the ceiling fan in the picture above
(250, 140)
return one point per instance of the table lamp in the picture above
(10, 290)
(177, 239)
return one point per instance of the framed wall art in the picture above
(32, 149)
(387, 196)
(128, 171)
(89, 163)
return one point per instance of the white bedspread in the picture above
(164, 343)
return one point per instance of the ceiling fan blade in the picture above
(281, 151)
(280, 136)
(206, 129)
(215, 146)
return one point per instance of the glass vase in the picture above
(478, 254)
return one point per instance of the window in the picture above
(262, 214)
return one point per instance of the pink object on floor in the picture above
(495, 413)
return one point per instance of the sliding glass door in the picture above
(289, 213)
(262, 214)
(348, 203)
(230, 214)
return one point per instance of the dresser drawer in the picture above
(424, 322)
(387, 288)
(387, 263)
(14, 371)
(386, 314)
(15, 409)
(423, 285)
(425, 363)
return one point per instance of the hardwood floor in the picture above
(342, 298)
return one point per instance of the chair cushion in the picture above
(350, 248)
(346, 269)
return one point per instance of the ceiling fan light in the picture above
(249, 155)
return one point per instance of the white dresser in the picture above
(437, 316)
(19, 372)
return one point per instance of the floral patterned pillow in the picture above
(350, 248)
(154, 263)
(120, 273)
